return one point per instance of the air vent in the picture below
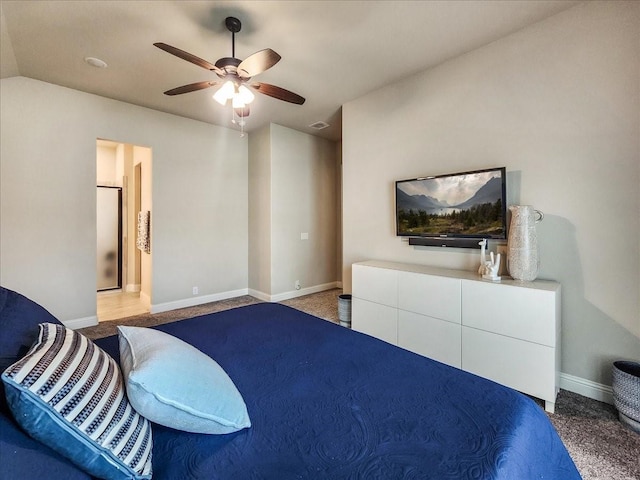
(319, 125)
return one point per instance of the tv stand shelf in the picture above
(506, 331)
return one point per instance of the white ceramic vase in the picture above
(522, 246)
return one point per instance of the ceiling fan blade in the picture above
(258, 63)
(192, 87)
(188, 57)
(278, 92)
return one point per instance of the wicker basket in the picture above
(626, 392)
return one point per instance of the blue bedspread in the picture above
(329, 403)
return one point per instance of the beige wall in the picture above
(131, 207)
(143, 156)
(557, 104)
(303, 201)
(260, 211)
(293, 191)
(48, 208)
(106, 163)
(339, 212)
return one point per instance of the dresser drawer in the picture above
(524, 366)
(378, 285)
(526, 313)
(374, 319)
(430, 337)
(437, 297)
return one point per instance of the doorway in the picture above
(123, 268)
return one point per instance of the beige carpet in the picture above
(601, 447)
(323, 305)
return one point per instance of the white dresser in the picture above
(506, 331)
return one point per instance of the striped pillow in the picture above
(69, 394)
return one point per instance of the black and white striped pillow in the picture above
(69, 394)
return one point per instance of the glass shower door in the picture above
(109, 238)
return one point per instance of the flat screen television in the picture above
(467, 205)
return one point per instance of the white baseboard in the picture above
(586, 388)
(77, 323)
(192, 302)
(265, 297)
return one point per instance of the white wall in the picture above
(48, 208)
(557, 104)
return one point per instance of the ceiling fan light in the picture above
(238, 102)
(245, 94)
(224, 93)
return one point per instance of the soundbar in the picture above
(445, 242)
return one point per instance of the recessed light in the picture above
(95, 62)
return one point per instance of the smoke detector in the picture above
(96, 62)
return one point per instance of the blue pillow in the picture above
(19, 320)
(176, 385)
(69, 394)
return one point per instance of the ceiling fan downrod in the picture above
(234, 26)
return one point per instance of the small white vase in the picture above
(522, 246)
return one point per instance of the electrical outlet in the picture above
(195, 290)
(297, 284)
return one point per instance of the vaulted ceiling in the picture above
(332, 51)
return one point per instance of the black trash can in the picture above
(344, 310)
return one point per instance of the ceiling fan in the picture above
(235, 75)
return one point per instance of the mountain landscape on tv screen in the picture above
(481, 214)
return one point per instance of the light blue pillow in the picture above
(176, 385)
(69, 394)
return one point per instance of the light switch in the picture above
(304, 236)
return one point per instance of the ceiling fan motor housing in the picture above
(229, 65)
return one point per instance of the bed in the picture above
(325, 402)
